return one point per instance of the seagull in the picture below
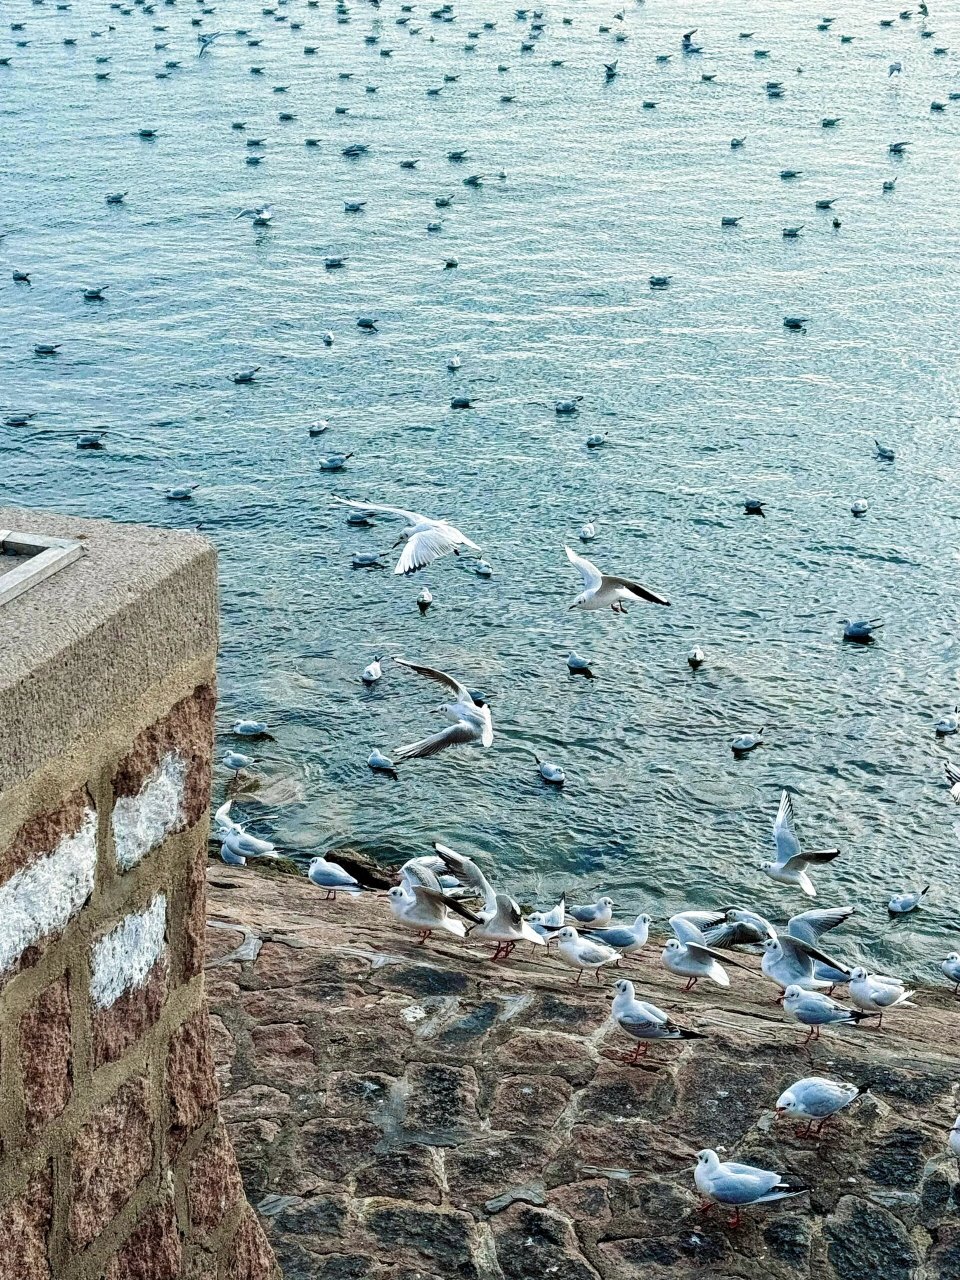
(815, 1099)
(472, 722)
(883, 453)
(903, 903)
(860, 630)
(738, 1185)
(334, 461)
(950, 967)
(251, 729)
(426, 910)
(696, 657)
(181, 492)
(500, 917)
(953, 1141)
(790, 962)
(875, 994)
(551, 773)
(948, 724)
(859, 507)
(814, 1010)
(426, 539)
(645, 1022)
(582, 953)
(331, 876)
(372, 673)
(578, 666)
(588, 531)
(47, 348)
(95, 294)
(731, 221)
(566, 407)
(453, 364)
(754, 507)
(953, 777)
(246, 375)
(236, 760)
(261, 214)
(116, 197)
(424, 600)
(790, 866)
(688, 955)
(592, 915)
(380, 763)
(238, 842)
(744, 743)
(601, 590)
(625, 938)
(894, 69)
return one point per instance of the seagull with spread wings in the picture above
(600, 590)
(790, 866)
(426, 539)
(472, 722)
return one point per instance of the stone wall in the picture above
(420, 1113)
(114, 1161)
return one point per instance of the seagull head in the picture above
(765, 866)
(567, 934)
(953, 957)
(770, 945)
(623, 987)
(859, 974)
(786, 1104)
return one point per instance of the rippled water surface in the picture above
(706, 399)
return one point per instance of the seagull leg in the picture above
(641, 1045)
(804, 1133)
(579, 976)
(706, 1206)
(691, 983)
(597, 972)
(735, 1220)
(880, 1023)
(424, 935)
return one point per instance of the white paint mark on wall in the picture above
(140, 822)
(43, 897)
(123, 958)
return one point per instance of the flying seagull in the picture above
(601, 590)
(472, 722)
(426, 539)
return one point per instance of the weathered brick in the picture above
(215, 1185)
(153, 1250)
(24, 1227)
(46, 1057)
(111, 1154)
(191, 1085)
(42, 833)
(118, 1028)
(248, 1255)
(186, 729)
(194, 917)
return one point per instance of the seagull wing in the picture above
(700, 951)
(441, 899)
(413, 516)
(811, 925)
(689, 931)
(592, 953)
(462, 692)
(816, 856)
(784, 835)
(805, 953)
(643, 592)
(468, 873)
(592, 577)
(460, 734)
(642, 1016)
(423, 547)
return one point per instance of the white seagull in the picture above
(426, 539)
(601, 591)
(645, 1022)
(738, 1185)
(472, 722)
(790, 866)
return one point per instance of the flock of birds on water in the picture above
(446, 892)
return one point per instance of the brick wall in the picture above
(114, 1162)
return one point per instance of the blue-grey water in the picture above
(706, 398)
